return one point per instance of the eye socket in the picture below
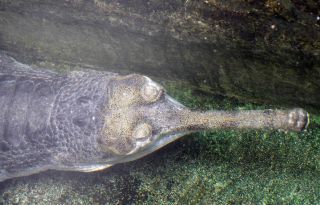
(151, 92)
(142, 130)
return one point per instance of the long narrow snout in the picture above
(289, 120)
(176, 120)
(173, 120)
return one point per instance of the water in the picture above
(209, 55)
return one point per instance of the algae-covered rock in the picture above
(261, 51)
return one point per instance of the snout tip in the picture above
(298, 119)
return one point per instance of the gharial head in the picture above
(140, 118)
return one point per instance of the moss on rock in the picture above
(261, 51)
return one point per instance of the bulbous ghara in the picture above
(90, 120)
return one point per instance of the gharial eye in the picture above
(151, 92)
(142, 130)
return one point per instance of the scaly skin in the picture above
(90, 120)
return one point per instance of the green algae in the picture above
(217, 167)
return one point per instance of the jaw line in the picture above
(155, 145)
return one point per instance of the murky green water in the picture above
(209, 55)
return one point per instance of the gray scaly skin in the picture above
(90, 120)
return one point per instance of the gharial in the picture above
(91, 120)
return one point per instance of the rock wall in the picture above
(260, 51)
